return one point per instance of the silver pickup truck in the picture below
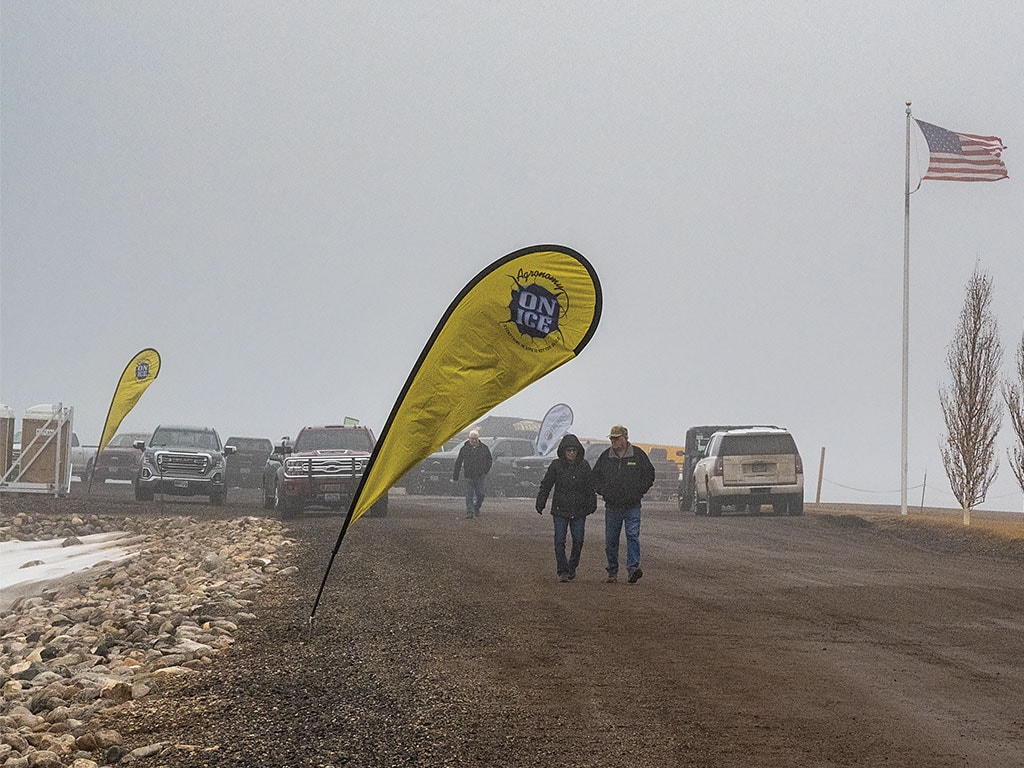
(182, 461)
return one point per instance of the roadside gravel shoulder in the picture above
(119, 633)
(446, 642)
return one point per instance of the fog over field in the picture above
(284, 199)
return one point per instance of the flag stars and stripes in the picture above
(962, 156)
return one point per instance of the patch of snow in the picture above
(55, 560)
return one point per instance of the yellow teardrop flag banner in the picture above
(522, 317)
(140, 372)
(519, 319)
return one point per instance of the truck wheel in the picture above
(218, 499)
(697, 506)
(714, 506)
(796, 505)
(141, 494)
(283, 506)
(268, 499)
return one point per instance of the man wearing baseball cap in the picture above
(622, 475)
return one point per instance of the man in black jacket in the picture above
(622, 475)
(475, 460)
(573, 500)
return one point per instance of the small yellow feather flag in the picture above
(140, 372)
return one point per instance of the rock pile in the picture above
(124, 630)
(33, 527)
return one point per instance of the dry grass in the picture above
(1006, 525)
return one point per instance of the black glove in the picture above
(540, 510)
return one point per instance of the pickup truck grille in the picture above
(184, 464)
(326, 466)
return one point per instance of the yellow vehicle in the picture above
(673, 453)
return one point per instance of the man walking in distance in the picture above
(475, 460)
(622, 475)
(573, 500)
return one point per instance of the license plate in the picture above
(434, 478)
(181, 483)
(332, 497)
(759, 469)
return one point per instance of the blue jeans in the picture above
(614, 519)
(474, 495)
(562, 526)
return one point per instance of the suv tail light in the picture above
(719, 468)
(799, 465)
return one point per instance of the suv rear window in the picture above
(754, 445)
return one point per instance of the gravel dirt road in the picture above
(846, 637)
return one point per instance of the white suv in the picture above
(745, 468)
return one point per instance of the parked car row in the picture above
(121, 459)
(740, 468)
(321, 468)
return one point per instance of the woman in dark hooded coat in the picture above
(573, 499)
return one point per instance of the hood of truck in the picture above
(327, 453)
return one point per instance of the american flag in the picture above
(962, 156)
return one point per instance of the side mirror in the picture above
(140, 444)
(229, 449)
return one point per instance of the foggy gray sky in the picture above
(283, 199)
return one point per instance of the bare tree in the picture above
(1013, 394)
(970, 405)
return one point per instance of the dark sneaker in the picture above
(563, 577)
(572, 574)
(635, 576)
(612, 578)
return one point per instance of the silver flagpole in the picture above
(906, 325)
